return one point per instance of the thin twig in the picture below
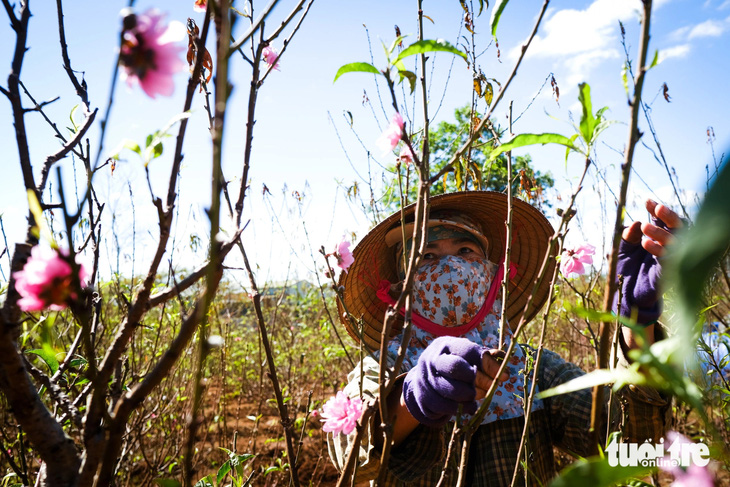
(67, 147)
(253, 26)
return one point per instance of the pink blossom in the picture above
(200, 5)
(391, 136)
(149, 54)
(340, 414)
(271, 56)
(572, 260)
(344, 255)
(406, 155)
(694, 475)
(45, 281)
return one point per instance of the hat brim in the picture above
(362, 312)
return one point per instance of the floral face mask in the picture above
(450, 294)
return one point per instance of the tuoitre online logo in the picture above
(679, 453)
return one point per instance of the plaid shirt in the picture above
(640, 413)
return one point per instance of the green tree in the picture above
(474, 171)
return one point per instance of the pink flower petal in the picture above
(271, 56)
(149, 55)
(200, 5)
(340, 414)
(344, 255)
(406, 155)
(45, 281)
(572, 260)
(391, 135)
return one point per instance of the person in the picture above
(452, 355)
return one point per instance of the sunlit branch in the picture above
(610, 288)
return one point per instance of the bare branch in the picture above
(633, 138)
(80, 87)
(67, 147)
(253, 27)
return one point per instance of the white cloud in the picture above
(580, 40)
(583, 63)
(571, 31)
(709, 28)
(680, 34)
(724, 5)
(678, 51)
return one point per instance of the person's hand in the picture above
(491, 362)
(641, 247)
(444, 378)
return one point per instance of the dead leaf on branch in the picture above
(483, 88)
(556, 90)
(193, 33)
(468, 23)
(665, 93)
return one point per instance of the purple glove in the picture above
(641, 271)
(442, 379)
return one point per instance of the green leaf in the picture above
(421, 47)
(596, 472)
(204, 482)
(523, 140)
(356, 68)
(72, 116)
(40, 221)
(598, 129)
(570, 147)
(168, 483)
(692, 260)
(625, 78)
(587, 122)
(223, 471)
(488, 93)
(655, 61)
(481, 7)
(132, 145)
(596, 378)
(496, 14)
(398, 40)
(48, 356)
(411, 78)
(157, 150)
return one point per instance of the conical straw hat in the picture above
(375, 260)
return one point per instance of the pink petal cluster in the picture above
(340, 414)
(149, 54)
(406, 155)
(45, 281)
(391, 136)
(270, 56)
(344, 255)
(694, 475)
(572, 260)
(200, 5)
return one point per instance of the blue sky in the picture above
(300, 115)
